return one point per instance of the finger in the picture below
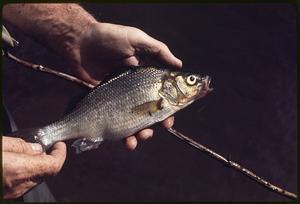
(145, 134)
(169, 122)
(18, 145)
(17, 166)
(19, 190)
(131, 142)
(158, 50)
(162, 52)
(131, 61)
(81, 73)
(58, 154)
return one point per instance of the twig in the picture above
(233, 165)
(48, 70)
(186, 139)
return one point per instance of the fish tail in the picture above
(31, 135)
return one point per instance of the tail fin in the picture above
(30, 135)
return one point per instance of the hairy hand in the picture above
(25, 165)
(105, 47)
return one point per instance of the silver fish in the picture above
(123, 105)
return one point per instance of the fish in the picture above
(122, 105)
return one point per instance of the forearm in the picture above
(59, 26)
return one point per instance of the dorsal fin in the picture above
(117, 73)
(124, 70)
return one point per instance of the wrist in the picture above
(70, 42)
(87, 32)
(59, 26)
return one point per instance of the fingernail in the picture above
(36, 147)
(179, 63)
(171, 122)
(94, 82)
(131, 143)
(147, 133)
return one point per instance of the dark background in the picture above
(249, 50)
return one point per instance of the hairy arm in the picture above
(59, 26)
(92, 48)
(24, 165)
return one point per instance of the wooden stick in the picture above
(232, 164)
(48, 70)
(179, 135)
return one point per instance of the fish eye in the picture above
(191, 80)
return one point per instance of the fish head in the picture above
(181, 89)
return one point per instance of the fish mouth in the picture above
(204, 89)
(207, 81)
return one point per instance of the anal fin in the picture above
(84, 144)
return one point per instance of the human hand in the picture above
(105, 47)
(25, 165)
(93, 49)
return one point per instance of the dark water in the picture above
(249, 50)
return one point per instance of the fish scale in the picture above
(121, 106)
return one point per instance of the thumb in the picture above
(36, 167)
(18, 145)
(58, 156)
(158, 49)
(49, 164)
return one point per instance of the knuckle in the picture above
(21, 145)
(13, 194)
(18, 193)
(8, 184)
(163, 45)
(54, 169)
(19, 141)
(135, 29)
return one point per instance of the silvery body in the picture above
(123, 105)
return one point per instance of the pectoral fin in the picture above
(148, 107)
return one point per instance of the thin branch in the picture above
(48, 70)
(186, 139)
(233, 165)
